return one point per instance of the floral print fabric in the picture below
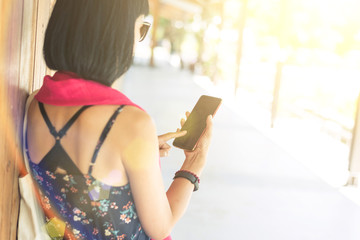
(90, 208)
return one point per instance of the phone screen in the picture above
(196, 122)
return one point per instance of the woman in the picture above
(93, 152)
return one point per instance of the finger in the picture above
(165, 146)
(209, 120)
(205, 139)
(182, 121)
(187, 114)
(209, 125)
(167, 136)
(163, 153)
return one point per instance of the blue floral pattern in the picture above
(90, 209)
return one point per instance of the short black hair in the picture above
(93, 38)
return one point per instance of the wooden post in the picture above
(28, 44)
(40, 69)
(154, 30)
(243, 13)
(10, 114)
(354, 156)
(20, 61)
(276, 92)
(280, 63)
(200, 37)
(215, 76)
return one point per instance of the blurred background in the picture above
(285, 158)
(292, 67)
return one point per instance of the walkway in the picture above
(251, 188)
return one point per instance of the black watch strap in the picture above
(189, 176)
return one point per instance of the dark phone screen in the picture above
(196, 122)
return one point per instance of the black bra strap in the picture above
(47, 120)
(62, 132)
(103, 135)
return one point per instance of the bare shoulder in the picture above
(31, 101)
(138, 138)
(137, 121)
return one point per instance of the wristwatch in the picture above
(189, 176)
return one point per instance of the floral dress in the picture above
(87, 208)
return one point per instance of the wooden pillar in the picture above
(354, 156)
(215, 74)
(243, 13)
(281, 59)
(154, 30)
(28, 45)
(20, 23)
(276, 92)
(43, 15)
(10, 40)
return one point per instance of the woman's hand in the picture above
(164, 148)
(195, 160)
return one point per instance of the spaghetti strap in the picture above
(58, 135)
(102, 138)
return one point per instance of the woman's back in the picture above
(87, 178)
(80, 171)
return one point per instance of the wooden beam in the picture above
(172, 13)
(155, 13)
(242, 20)
(276, 92)
(354, 156)
(43, 14)
(28, 40)
(283, 17)
(19, 64)
(185, 6)
(10, 153)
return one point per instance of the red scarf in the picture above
(67, 89)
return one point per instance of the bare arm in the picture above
(158, 210)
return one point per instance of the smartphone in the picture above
(195, 124)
